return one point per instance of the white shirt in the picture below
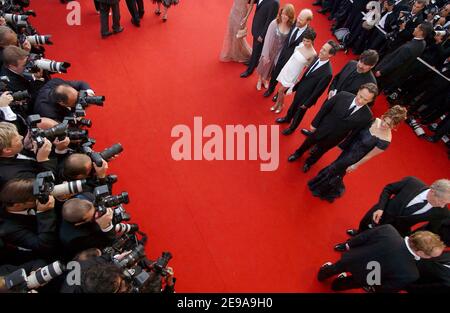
(354, 107)
(299, 33)
(259, 2)
(316, 65)
(382, 22)
(8, 114)
(418, 199)
(411, 250)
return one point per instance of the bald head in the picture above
(304, 18)
(78, 211)
(77, 166)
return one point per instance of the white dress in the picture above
(292, 69)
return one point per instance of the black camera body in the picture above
(59, 131)
(44, 186)
(98, 157)
(104, 200)
(36, 62)
(84, 100)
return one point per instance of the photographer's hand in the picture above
(47, 206)
(2, 21)
(101, 171)
(170, 276)
(61, 146)
(26, 46)
(105, 220)
(43, 153)
(377, 216)
(5, 99)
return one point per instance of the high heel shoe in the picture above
(274, 107)
(279, 109)
(164, 18)
(266, 84)
(258, 85)
(157, 12)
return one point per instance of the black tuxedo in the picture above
(307, 91)
(285, 54)
(18, 168)
(78, 238)
(385, 246)
(33, 232)
(136, 8)
(434, 275)
(395, 66)
(44, 105)
(377, 39)
(333, 124)
(348, 79)
(265, 13)
(105, 6)
(394, 199)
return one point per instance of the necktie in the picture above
(294, 35)
(313, 67)
(414, 208)
(350, 110)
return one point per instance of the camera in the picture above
(122, 228)
(417, 128)
(21, 95)
(160, 265)
(39, 39)
(44, 186)
(78, 134)
(78, 122)
(16, 19)
(59, 131)
(36, 62)
(106, 154)
(20, 282)
(85, 100)
(104, 200)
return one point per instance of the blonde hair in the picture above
(7, 132)
(426, 242)
(289, 10)
(397, 114)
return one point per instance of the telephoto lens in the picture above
(52, 66)
(21, 95)
(69, 188)
(45, 274)
(112, 201)
(40, 39)
(123, 228)
(132, 258)
(108, 153)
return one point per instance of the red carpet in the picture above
(229, 226)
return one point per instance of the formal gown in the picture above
(235, 49)
(271, 51)
(329, 183)
(293, 68)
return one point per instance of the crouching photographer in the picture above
(25, 223)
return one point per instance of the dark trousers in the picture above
(256, 55)
(97, 6)
(344, 283)
(367, 221)
(104, 17)
(319, 149)
(136, 8)
(295, 115)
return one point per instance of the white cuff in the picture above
(8, 114)
(111, 226)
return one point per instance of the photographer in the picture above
(9, 38)
(56, 98)
(17, 162)
(27, 223)
(80, 166)
(82, 227)
(7, 114)
(14, 62)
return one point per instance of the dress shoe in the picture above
(282, 120)
(323, 11)
(306, 132)
(247, 63)
(247, 73)
(287, 131)
(325, 271)
(135, 23)
(157, 12)
(341, 247)
(293, 157)
(106, 34)
(118, 30)
(430, 138)
(141, 14)
(317, 3)
(352, 232)
(340, 283)
(275, 98)
(267, 93)
(306, 168)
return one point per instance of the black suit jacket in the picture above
(383, 245)
(33, 232)
(348, 79)
(311, 86)
(396, 64)
(17, 168)
(331, 123)
(45, 107)
(78, 238)
(265, 13)
(434, 275)
(395, 197)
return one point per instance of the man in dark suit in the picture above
(105, 7)
(57, 97)
(310, 87)
(17, 162)
(434, 275)
(136, 8)
(266, 11)
(24, 222)
(380, 260)
(395, 66)
(82, 228)
(337, 118)
(377, 39)
(406, 203)
(295, 37)
(354, 74)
